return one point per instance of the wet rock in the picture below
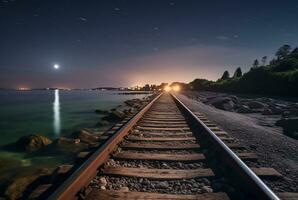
(83, 155)
(86, 137)
(99, 111)
(32, 142)
(102, 123)
(18, 185)
(61, 172)
(115, 115)
(39, 191)
(66, 141)
(290, 126)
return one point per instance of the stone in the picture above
(32, 142)
(255, 105)
(115, 115)
(223, 103)
(61, 172)
(163, 185)
(207, 189)
(102, 181)
(244, 109)
(39, 191)
(17, 186)
(102, 187)
(290, 126)
(102, 123)
(99, 111)
(83, 154)
(66, 141)
(86, 136)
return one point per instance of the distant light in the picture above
(56, 66)
(176, 88)
(167, 88)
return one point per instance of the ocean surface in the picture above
(52, 113)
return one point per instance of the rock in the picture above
(223, 103)
(83, 155)
(61, 172)
(99, 111)
(102, 123)
(124, 189)
(102, 181)
(32, 142)
(39, 191)
(102, 187)
(18, 185)
(66, 141)
(267, 111)
(207, 189)
(115, 115)
(235, 99)
(255, 105)
(290, 126)
(163, 185)
(244, 109)
(86, 137)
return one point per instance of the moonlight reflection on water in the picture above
(56, 111)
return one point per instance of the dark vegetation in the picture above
(279, 77)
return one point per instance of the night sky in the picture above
(130, 42)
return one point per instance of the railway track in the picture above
(167, 152)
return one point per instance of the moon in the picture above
(56, 66)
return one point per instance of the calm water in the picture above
(51, 113)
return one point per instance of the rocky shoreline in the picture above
(256, 132)
(79, 145)
(280, 113)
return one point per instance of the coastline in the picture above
(69, 146)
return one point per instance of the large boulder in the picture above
(18, 185)
(223, 103)
(32, 142)
(290, 126)
(114, 115)
(255, 105)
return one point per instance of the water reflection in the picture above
(56, 111)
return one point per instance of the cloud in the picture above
(222, 38)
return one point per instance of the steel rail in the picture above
(256, 187)
(82, 176)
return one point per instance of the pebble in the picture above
(102, 181)
(207, 189)
(163, 185)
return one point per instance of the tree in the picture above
(264, 60)
(226, 75)
(283, 52)
(256, 63)
(237, 73)
(295, 51)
